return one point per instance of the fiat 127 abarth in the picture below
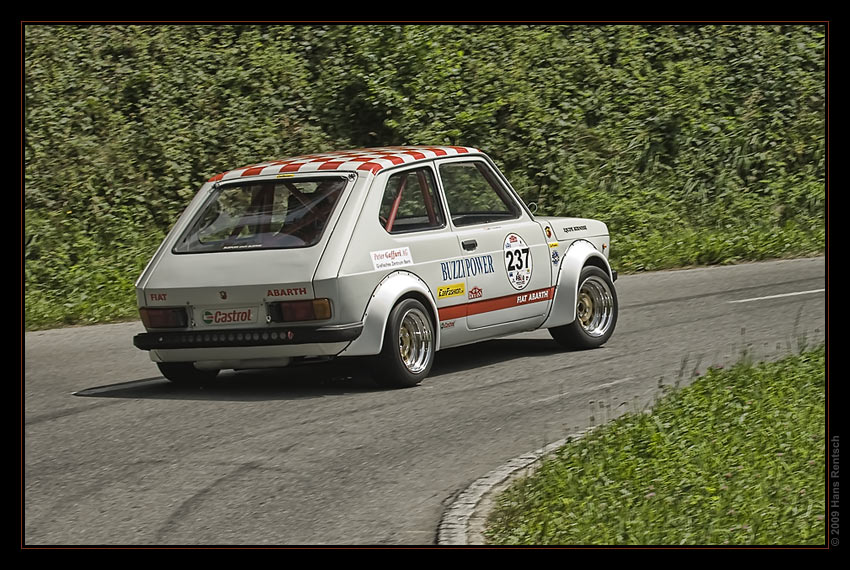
(388, 253)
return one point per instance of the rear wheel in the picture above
(409, 344)
(596, 312)
(185, 373)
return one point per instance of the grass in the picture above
(735, 458)
(687, 247)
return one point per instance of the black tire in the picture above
(185, 373)
(596, 312)
(409, 343)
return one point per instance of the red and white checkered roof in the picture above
(370, 159)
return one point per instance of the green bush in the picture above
(712, 136)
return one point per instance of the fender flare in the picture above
(580, 254)
(389, 291)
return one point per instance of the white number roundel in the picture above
(518, 263)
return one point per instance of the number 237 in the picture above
(517, 259)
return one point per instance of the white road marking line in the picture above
(778, 296)
(594, 388)
(546, 399)
(615, 382)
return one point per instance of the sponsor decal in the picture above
(389, 258)
(555, 257)
(548, 232)
(229, 316)
(476, 293)
(541, 295)
(518, 262)
(454, 290)
(290, 292)
(487, 305)
(159, 296)
(447, 324)
(466, 267)
(553, 244)
(575, 229)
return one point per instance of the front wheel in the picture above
(596, 312)
(409, 345)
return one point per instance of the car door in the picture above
(415, 236)
(505, 257)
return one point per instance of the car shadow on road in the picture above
(490, 352)
(339, 377)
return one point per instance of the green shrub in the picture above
(692, 134)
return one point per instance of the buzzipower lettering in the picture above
(466, 267)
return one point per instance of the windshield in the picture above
(269, 214)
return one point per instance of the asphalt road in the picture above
(115, 455)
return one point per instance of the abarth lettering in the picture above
(286, 292)
(534, 296)
(539, 295)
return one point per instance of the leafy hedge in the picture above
(696, 144)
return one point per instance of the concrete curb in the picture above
(463, 522)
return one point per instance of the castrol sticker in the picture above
(518, 263)
(229, 316)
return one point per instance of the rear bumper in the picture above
(224, 338)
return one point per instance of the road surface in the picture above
(317, 455)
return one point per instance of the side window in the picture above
(474, 195)
(410, 203)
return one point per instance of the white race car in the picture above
(392, 253)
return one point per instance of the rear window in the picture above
(270, 214)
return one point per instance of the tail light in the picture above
(164, 318)
(288, 311)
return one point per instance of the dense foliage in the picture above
(735, 458)
(696, 144)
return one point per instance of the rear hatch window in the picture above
(266, 214)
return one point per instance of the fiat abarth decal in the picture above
(390, 253)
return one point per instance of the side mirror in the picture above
(533, 207)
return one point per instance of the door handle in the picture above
(469, 244)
